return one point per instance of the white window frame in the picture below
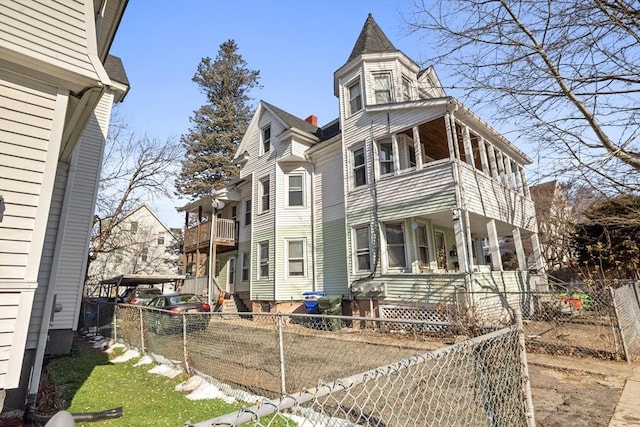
(388, 245)
(161, 239)
(427, 244)
(265, 197)
(351, 109)
(388, 92)
(355, 168)
(301, 189)
(263, 261)
(361, 251)
(247, 213)
(406, 89)
(144, 254)
(265, 141)
(288, 258)
(390, 162)
(246, 267)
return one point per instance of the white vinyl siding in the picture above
(81, 191)
(52, 32)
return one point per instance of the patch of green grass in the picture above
(92, 384)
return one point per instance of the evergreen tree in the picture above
(218, 126)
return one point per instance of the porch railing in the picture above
(224, 233)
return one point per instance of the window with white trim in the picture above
(296, 260)
(355, 97)
(362, 246)
(264, 198)
(144, 254)
(385, 154)
(406, 89)
(247, 212)
(263, 260)
(359, 167)
(296, 190)
(246, 265)
(160, 240)
(423, 244)
(382, 88)
(265, 135)
(394, 235)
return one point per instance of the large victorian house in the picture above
(401, 201)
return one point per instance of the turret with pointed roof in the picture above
(371, 40)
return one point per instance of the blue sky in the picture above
(296, 45)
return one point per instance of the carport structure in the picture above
(110, 288)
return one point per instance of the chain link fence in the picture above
(341, 371)
(626, 301)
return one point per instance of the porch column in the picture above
(483, 156)
(517, 241)
(468, 148)
(492, 163)
(417, 147)
(501, 173)
(396, 154)
(494, 246)
(509, 171)
(449, 123)
(537, 253)
(460, 234)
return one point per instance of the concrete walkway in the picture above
(627, 411)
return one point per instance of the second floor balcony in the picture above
(224, 235)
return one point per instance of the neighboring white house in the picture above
(140, 244)
(395, 202)
(57, 87)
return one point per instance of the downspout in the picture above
(313, 224)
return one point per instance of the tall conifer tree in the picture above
(218, 126)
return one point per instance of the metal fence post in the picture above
(283, 386)
(115, 323)
(141, 329)
(526, 385)
(185, 353)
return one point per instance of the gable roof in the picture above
(292, 121)
(371, 40)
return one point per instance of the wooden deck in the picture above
(225, 234)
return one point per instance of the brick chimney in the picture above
(312, 119)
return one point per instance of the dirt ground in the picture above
(574, 397)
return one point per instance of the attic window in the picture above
(266, 139)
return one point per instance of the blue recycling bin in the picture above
(311, 304)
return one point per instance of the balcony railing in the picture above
(224, 234)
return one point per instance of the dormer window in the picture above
(382, 87)
(355, 97)
(266, 139)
